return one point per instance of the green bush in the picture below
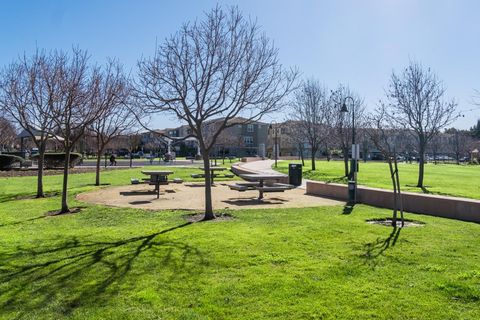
(57, 160)
(8, 160)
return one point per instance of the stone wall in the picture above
(439, 206)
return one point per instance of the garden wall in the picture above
(439, 206)
(250, 159)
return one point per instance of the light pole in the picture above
(273, 126)
(352, 185)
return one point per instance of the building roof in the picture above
(37, 135)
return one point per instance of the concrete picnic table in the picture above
(261, 178)
(157, 178)
(212, 171)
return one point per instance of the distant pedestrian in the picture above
(113, 162)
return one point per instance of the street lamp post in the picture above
(273, 126)
(352, 185)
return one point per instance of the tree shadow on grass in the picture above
(74, 272)
(374, 250)
(25, 196)
(14, 223)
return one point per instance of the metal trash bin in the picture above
(295, 174)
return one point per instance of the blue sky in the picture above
(354, 42)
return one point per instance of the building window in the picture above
(249, 127)
(283, 131)
(248, 141)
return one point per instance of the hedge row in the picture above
(7, 161)
(57, 160)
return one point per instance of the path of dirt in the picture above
(190, 196)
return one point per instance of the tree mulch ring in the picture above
(198, 217)
(387, 222)
(58, 213)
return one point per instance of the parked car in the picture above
(151, 156)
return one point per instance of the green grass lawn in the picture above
(443, 179)
(14, 188)
(116, 263)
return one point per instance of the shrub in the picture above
(8, 160)
(57, 160)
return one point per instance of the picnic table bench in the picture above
(261, 182)
(213, 175)
(157, 178)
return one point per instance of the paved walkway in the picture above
(265, 166)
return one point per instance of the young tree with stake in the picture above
(382, 133)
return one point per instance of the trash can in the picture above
(295, 174)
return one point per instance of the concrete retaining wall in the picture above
(439, 206)
(250, 159)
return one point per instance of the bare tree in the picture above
(382, 132)
(74, 107)
(7, 134)
(296, 137)
(312, 109)
(416, 102)
(459, 142)
(132, 142)
(435, 144)
(27, 93)
(342, 121)
(221, 67)
(110, 95)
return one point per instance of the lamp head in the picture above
(344, 108)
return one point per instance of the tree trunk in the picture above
(208, 187)
(131, 159)
(41, 160)
(301, 156)
(97, 169)
(314, 151)
(400, 200)
(395, 200)
(66, 167)
(421, 167)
